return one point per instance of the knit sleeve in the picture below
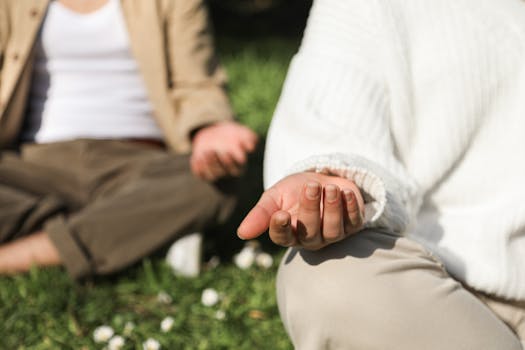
(334, 112)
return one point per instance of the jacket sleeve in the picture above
(334, 113)
(4, 34)
(197, 80)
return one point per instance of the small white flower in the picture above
(220, 315)
(164, 298)
(264, 260)
(210, 297)
(102, 334)
(167, 324)
(245, 258)
(213, 263)
(116, 343)
(151, 344)
(128, 328)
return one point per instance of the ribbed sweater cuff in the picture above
(385, 200)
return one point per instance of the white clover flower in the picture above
(164, 298)
(151, 344)
(220, 315)
(210, 297)
(102, 334)
(264, 260)
(116, 343)
(167, 324)
(128, 328)
(245, 258)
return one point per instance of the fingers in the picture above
(341, 216)
(238, 154)
(309, 216)
(207, 166)
(198, 166)
(354, 218)
(221, 149)
(249, 142)
(333, 223)
(211, 165)
(229, 164)
(215, 168)
(281, 231)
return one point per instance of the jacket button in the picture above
(16, 56)
(33, 12)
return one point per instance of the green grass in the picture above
(44, 309)
(256, 75)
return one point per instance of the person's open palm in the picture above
(307, 209)
(221, 149)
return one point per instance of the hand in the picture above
(220, 150)
(309, 210)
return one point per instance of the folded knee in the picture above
(396, 298)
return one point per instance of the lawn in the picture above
(44, 309)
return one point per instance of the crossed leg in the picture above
(375, 291)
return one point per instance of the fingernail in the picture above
(330, 192)
(312, 190)
(284, 222)
(349, 195)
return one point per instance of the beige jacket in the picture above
(172, 43)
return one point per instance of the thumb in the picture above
(258, 219)
(249, 142)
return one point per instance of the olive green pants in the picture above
(105, 203)
(376, 291)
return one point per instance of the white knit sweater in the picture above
(422, 103)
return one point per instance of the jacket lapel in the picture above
(28, 16)
(146, 38)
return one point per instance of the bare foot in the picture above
(34, 250)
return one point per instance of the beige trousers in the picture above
(376, 291)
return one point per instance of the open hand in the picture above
(310, 210)
(221, 150)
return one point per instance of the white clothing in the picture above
(86, 82)
(422, 104)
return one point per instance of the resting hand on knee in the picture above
(309, 210)
(221, 150)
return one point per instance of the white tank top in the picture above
(86, 82)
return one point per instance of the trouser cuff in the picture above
(73, 256)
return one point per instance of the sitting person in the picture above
(101, 103)
(393, 171)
